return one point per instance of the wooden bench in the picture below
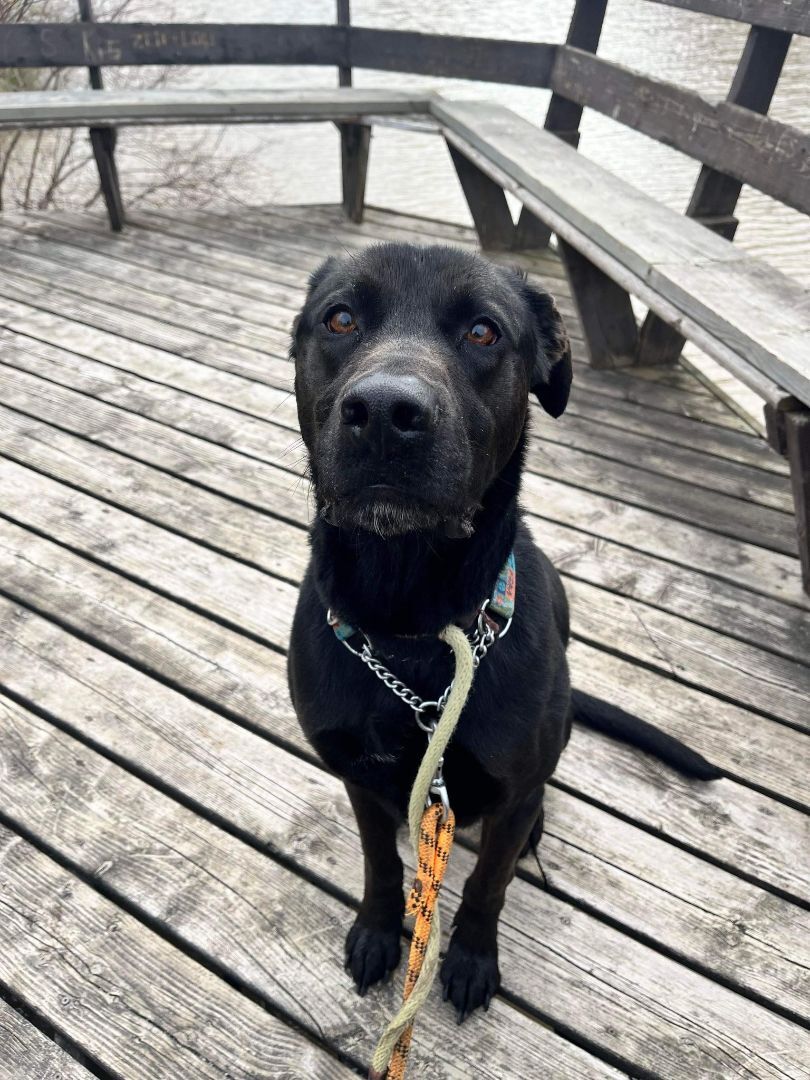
(615, 242)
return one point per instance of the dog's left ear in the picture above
(552, 373)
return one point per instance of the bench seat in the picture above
(743, 312)
(89, 108)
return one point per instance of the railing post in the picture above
(563, 116)
(715, 196)
(103, 140)
(355, 139)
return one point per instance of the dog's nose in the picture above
(380, 408)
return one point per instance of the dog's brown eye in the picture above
(482, 333)
(341, 321)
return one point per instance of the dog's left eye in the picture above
(482, 332)
(340, 321)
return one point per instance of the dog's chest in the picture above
(381, 750)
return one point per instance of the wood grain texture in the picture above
(292, 810)
(662, 893)
(208, 583)
(151, 538)
(133, 1001)
(723, 290)
(668, 644)
(723, 606)
(755, 149)
(790, 15)
(280, 935)
(80, 108)
(109, 45)
(27, 1053)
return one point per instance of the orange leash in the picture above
(435, 842)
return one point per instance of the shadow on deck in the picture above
(176, 870)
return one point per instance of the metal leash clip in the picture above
(438, 791)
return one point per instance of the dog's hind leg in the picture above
(535, 836)
(470, 972)
(373, 945)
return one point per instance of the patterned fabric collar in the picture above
(501, 602)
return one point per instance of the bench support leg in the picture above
(530, 232)
(797, 444)
(660, 343)
(103, 142)
(608, 322)
(487, 203)
(355, 140)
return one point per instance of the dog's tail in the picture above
(602, 716)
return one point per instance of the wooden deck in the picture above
(177, 872)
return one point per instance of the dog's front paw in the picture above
(371, 954)
(470, 977)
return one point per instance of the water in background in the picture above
(412, 172)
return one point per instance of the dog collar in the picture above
(500, 603)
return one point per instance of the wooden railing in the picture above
(735, 140)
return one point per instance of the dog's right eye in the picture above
(340, 321)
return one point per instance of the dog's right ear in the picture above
(315, 278)
(552, 372)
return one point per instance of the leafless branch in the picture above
(49, 169)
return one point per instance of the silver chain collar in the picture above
(481, 640)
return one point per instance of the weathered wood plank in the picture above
(27, 1053)
(563, 116)
(80, 108)
(755, 149)
(75, 249)
(619, 780)
(165, 318)
(605, 312)
(145, 435)
(273, 443)
(669, 496)
(276, 932)
(137, 1005)
(180, 262)
(674, 495)
(682, 431)
(248, 600)
(264, 542)
(746, 1032)
(724, 607)
(669, 458)
(659, 891)
(791, 15)
(112, 44)
(218, 424)
(797, 443)
(715, 195)
(725, 292)
(486, 59)
(487, 204)
(760, 752)
(607, 518)
(761, 570)
(697, 656)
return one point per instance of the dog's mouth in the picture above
(388, 511)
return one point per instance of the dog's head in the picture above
(413, 367)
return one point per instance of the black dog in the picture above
(413, 371)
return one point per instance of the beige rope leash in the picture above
(398, 1030)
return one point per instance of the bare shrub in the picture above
(55, 168)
